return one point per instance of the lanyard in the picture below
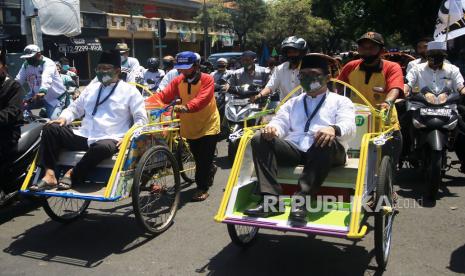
(98, 102)
(309, 119)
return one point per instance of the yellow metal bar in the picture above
(141, 86)
(359, 94)
(359, 188)
(283, 101)
(233, 176)
(119, 159)
(29, 173)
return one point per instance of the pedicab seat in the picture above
(341, 177)
(71, 158)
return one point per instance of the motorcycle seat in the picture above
(29, 135)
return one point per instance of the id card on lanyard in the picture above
(309, 119)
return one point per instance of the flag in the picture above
(274, 53)
(60, 17)
(265, 55)
(452, 12)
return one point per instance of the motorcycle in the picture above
(14, 171)
(434, 115)
(220, 97)
(240, 112)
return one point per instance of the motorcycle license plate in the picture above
(441, 112)
(240, 101)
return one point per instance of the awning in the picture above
(79, 45)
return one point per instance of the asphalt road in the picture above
(426, 240)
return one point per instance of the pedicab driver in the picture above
(109, 108)
(200, 120)
(311, 129)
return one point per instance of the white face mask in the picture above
(123, 59)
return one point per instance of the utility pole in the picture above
(205, 29)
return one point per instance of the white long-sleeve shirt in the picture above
(421, 76)
(43, 76)
(113, 118)
(285, 80)
(171, 75)
(336, 110)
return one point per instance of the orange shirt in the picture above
(374, 86)
(203, 117)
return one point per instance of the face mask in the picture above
(221, 66)
(33, 61)
(369, 59)
(294, 59)
(105, 77)
(153, 69)
(123, 59)
(436, 60)
(312, 84)
(167, 64)
(65, 67)
(193, 75)
(247, 67)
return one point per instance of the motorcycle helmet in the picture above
(294, 42)
(153, 63)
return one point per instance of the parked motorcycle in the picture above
(14, 170)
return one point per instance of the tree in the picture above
(294, 17)
(243, 17)
(409, 19)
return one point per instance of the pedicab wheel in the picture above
(384, 216)
(186, 161)
(241, 235)
(156, 190)
(65, 210)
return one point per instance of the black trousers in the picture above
(55, 138)
(203, 150)
(317, 161)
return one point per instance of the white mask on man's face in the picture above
(123, 58)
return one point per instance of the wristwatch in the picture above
(337, 130)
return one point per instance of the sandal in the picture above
(65, 183)
(200, 195)
(42, 185)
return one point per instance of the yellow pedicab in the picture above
(365, 180)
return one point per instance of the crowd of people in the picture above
(312, 128)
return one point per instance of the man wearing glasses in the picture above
(311, 129)
(109, 107)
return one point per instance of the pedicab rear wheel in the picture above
(384, 216)
(241, 235)
(156, 190)
(65, 210)
(186, 161)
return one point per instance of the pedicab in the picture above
(149, 156)
(400, 58)
(365, 179)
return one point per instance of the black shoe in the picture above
(299, 215)
(259, 211)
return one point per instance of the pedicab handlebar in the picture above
(157, 112)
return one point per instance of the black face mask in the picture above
(294, 59)
(437, 60)
(153, 69)
(221, 66)
(369, 59)
(33, 61)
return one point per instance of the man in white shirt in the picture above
(311, 129)
(171, 75)
(108, 108)
(45, 83)
(420, 50)
(221, 72)
(435, 73)
(438, 74)
(153, 75)
(130, 67)
(284, 78)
